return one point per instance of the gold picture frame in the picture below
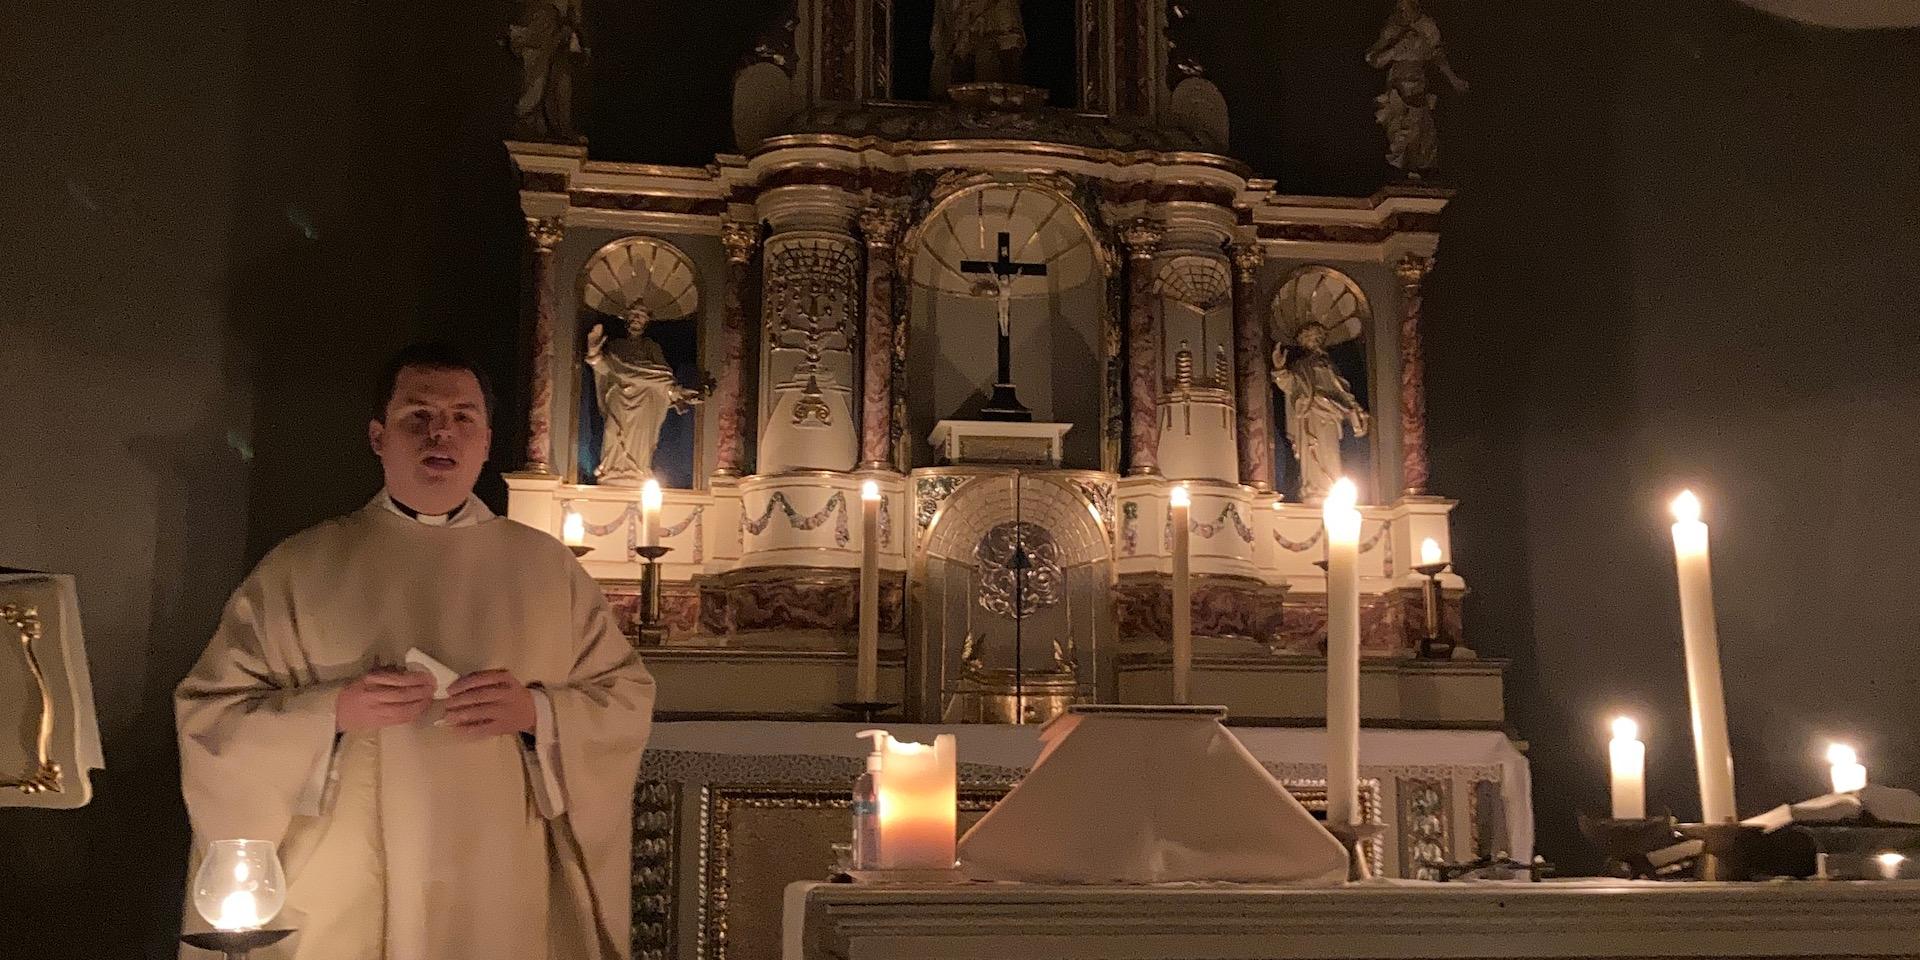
(42, 775)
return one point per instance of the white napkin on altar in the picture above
(1148, 795)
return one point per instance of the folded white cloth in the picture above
(1149, 796)
(1888, 804)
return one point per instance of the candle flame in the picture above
(239, 911)
(1686, 507)
(573, 529)
(1343, 496)
(1180, 497)
(1429, 552)
(1276, 504)
(1625, 729)
(869, 490)
(1891, 860)
(650, 495)
(1839, 754)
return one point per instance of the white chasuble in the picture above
(415, 842)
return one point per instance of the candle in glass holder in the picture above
(1713, 756)
(867, 669)
(918, 794)
(650, 498)
(1180, 502)
(1629, 761)
(239, 885)
(1847, 772)
(573, 529)
(1342, 524)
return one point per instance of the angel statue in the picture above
(547, 39)
(635, 390)
(976, 40)
(1409, 48)
(1319, 403)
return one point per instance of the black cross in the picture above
(1004, 405)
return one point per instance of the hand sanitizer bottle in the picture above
(866, 807)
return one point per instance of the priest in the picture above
(487, 819)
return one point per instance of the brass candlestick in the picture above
(579, 549)
(235, 944)
(1432, 646)
(652, 631)
(1356, 838)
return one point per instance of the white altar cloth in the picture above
(1287, 751)
(1386, 920)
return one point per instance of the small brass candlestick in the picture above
(1356, 837)
(652, 631)
(1433, 646)
(235, 944)
(579, 549)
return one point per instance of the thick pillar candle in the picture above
(1848, 775)
(1342, 522)
(650, 513)
(1629, 757)
(1181, 503)
(918, 794)
(1713, 757)
(868, 668)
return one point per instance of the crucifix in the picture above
(998, 279)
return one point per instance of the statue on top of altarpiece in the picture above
(976, 41)
(1320, 404)
(547, 38)
(1409, 49)
(635, 389)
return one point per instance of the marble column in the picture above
(545, 234)
(1142, 240)
(730, 395)
(880, 226)
(1251, 369)
(1412, 270)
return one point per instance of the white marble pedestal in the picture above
(1386, 920)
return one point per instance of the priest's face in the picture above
(433, 438)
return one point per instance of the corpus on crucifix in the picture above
(996, 279)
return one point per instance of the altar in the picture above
(1596, 918)
(729, 813)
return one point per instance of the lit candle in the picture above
(1848, 775)
(1342, 522)
(918, 793)
(1713, 757)
(239, 910)
(868, 668)
(1429, 552)
(1180, 501)
(650, 513)
(1890, 864)
(573, 529)
(1629, 757)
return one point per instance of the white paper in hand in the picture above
(442, 674)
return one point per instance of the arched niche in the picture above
(651, 275)
(1323, 296)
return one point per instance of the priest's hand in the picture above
(383, 698)
(488, 704)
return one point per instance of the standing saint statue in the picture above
(1319, 403)
(1409, 48)
(635, 389)
(547, 39)
(976, 41)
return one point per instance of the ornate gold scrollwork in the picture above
(44, 775)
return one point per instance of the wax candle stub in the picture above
(573, 530)
(1628, 757)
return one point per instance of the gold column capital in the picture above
(740, 238)
(1142, 238)
(1248, 258)
(546, 232)
(1412, 269)
(880, 225)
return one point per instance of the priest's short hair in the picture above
(432, 355)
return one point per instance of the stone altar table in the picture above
(728, 813)
(1597, 918)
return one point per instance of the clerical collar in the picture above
(451, 518)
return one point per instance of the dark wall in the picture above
(1682, 253)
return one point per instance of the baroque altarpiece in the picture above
(904, 244)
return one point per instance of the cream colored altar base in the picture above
(1389, 920)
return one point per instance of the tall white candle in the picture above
(868, 668)
(1342, 522)
(1629, 758)
(1848, 775)
(573, 529)
(1713, 757)
(918, 791)
(1181, 503)
(650, 513)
